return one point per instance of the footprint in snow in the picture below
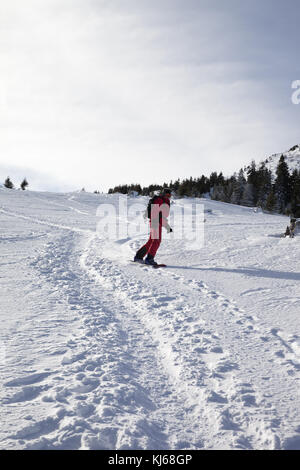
(216, 397)
(226, 366)
(246, 394)
(28, 379)
(26, 394)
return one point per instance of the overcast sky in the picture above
(95, 93)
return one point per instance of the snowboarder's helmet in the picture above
(167, 192)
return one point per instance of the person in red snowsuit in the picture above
(160, 210)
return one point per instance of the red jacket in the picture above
(160, 211)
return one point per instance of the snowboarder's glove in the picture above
(169, 229)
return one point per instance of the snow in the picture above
(100, 353)
(292, 157)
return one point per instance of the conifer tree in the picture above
(271, 201)
(248, 196)
(295, 193)
(252, 179)
(8, 184)
(282, 185)
(238, 188)
(24, 184)
(264, 180)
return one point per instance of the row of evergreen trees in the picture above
(253, 186)
(257, 186)
(9, 184)
(188, 187)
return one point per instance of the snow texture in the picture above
(292, 158)
(99, 353)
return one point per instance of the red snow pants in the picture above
(154, 241)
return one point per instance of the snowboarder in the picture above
(158, 212)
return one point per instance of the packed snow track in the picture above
(100, 353)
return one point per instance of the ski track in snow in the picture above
(200, 371)
(157, 362)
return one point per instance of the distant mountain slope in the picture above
(292, 158)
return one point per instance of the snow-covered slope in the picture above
(292, 159)
(100, 353)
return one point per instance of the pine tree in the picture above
(228, 188)
(271, 201)
(248, 196)
(213, 179)
(218, 193)
(252, 179)
(202, 185)
(264, 181)
(8, 184)
(24, 184)
(184, 188)
(176, 185)
(238, 188)
(282, 184)
(295, 193)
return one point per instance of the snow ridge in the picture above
(292, 157)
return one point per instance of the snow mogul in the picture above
(158, 211)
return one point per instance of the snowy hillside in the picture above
(292, 159)
(100, 353)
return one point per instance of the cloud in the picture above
(105, 92)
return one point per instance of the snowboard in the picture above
(150, 266)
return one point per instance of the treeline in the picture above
(252, 186)
(188, 187)
(257, 186)
(9, 184)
